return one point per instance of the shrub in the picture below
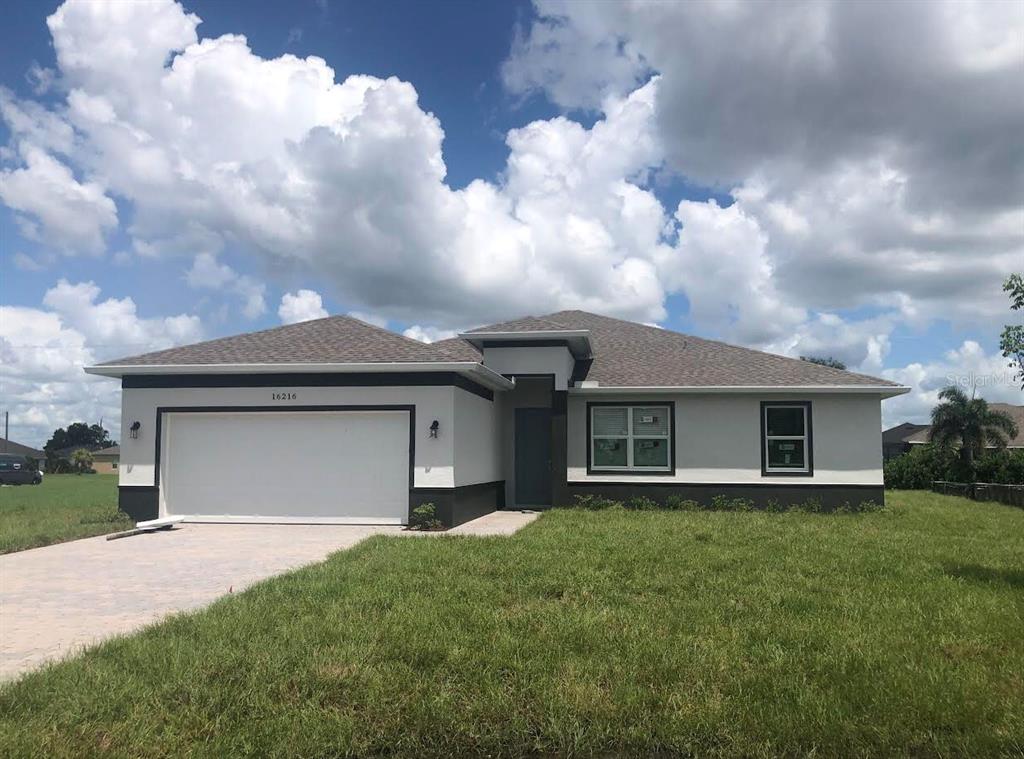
(678, 503)
(642, 503)
(424, 517)
(593, 502)
(925, 464)
(811, 505)
(721, 503)
(867, 507)
(1004, 467)
(724, 503)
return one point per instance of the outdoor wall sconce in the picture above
(134, 430)
(434, 426)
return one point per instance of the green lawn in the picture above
(612, 633)
(64, 507)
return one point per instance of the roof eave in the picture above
(883, 391)
(477, 371)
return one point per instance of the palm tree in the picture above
(82, 459)
(969, 422)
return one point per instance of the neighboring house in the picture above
(67, 453)
(9, 446)
(921, 436)
(338, 421)
(104, 461)
(894, 439)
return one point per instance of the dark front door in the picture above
(533, 457)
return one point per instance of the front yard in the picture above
(735, 634)
(63, 507)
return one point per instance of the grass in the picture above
(64, 507)
(612, 633)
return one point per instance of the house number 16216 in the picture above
(284, 396)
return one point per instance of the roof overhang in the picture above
(883, 391)
(471, 369)
(576, 340)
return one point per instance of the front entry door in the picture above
(533, 457)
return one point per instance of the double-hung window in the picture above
(786, 447)
(631, 438)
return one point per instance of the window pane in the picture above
(611, 421)
(788, 420)
(650, 420)
(609, 452)
(650, 452)
(785, 454)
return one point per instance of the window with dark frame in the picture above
(633, 438)
(787, 439)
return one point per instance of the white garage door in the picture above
(348, 467)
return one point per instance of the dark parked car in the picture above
(16, 470)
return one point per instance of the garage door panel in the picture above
(287, 466)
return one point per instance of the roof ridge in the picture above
(755, 351)
(418, 343)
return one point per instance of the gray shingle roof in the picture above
(1017, 412)
(458, 349)
(628, 354)
(901, 432)
(17, 449)
(333, 340)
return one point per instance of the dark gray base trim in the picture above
(831, 496)
(140, 502)
(307, 379)
(457, 505)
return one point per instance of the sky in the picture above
(819, 178)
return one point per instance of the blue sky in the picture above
(656, 181)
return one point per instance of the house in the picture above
(9, 446)
(104, 461)
(338, 421)
(922, 435)
(894, 439)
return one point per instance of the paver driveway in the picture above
(54, 600)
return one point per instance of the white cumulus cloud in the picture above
(207, 273)
(301, 306)
(43, 352)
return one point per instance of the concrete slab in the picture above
(496, 523)
(57, 599)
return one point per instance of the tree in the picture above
(82, 460)
(79, 434)
(1011, 342)
(835, 363)
(971, 423)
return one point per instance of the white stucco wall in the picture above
(544, 360)
(718, 439)
(477, 439)
(435, 458)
